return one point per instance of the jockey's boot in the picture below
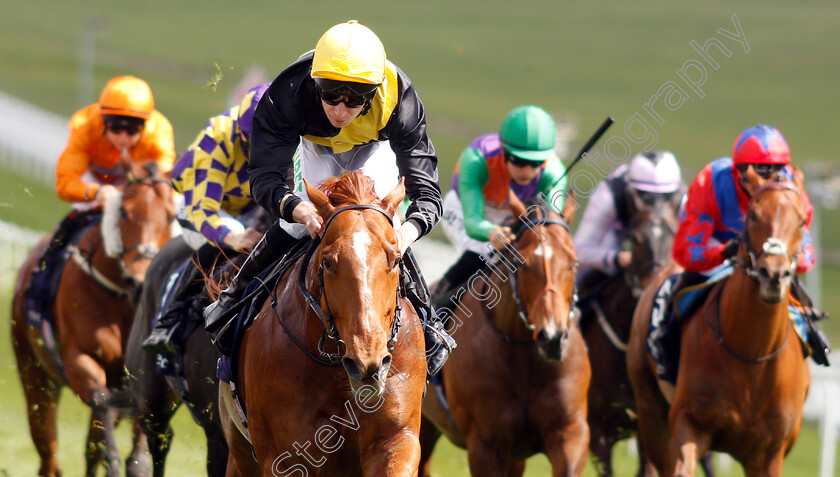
(62, 236)
(270, 247)
(438, 342)
(438, 346)
(460, 272)
(817, 341)
(170, 321)
(39, 285)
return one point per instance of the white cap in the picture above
(655, 171)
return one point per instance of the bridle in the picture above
(324, 314)
(772, 246)
(634, 279)
(550, 287)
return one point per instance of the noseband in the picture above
(772, 246)
(325, 316)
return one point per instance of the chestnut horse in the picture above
(651, 227)
(363, 419)
(518, 381)
(742, 376)
(92, 315)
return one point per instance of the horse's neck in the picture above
(750, 325)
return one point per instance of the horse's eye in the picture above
(328, 265)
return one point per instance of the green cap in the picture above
(528, 132)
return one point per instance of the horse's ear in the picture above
(570, 206)
(395, 197)
(321, 201)
(798, 177)
(516, 205)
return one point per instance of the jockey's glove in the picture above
(731, 248)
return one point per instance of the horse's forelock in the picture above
(352, 188)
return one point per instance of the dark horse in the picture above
(742, 377)
(158, 397)
(517, 383)
(341, 309)
(92, 315)
(651, 227)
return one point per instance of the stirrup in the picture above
(160, 340)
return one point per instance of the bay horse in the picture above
(652, 221)
(158, 397)
(518, 381)
(326, 360)
(92, 315)
(742, 376)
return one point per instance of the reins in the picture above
(771, 246)
(325, 315)
(715, 300)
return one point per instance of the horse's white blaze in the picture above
(361, 247)
(545, 249)
(110, 226)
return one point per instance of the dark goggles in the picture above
(353, 95)
(766, 171)
(519, 162)
(127, 124)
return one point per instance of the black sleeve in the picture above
(274, 138)
(416, 158)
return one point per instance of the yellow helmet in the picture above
(349, 52)
(127, 96)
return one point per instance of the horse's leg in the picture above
(652, 412)
(217, 448)
(687, 445)
(646, 468)
(153, 417)
(402, 458)
(484, 459)
(516, 469)
(707, 464)
(101, 444)
(601, 444)
(770, 466)
(429, 434)
(42, 395)
(138, 464)
(568, 448)
(88, 380)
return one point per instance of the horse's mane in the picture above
(352, 188)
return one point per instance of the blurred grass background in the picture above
(471, 62)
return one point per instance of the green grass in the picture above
(471, 62)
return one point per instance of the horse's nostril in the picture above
(386, 361)
(352, 367)
(763, 273)
(786, 274)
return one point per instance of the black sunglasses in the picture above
(130, 126)
(768, 170)
(519, 162)
(351, 101)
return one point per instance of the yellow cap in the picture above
(349, 52)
